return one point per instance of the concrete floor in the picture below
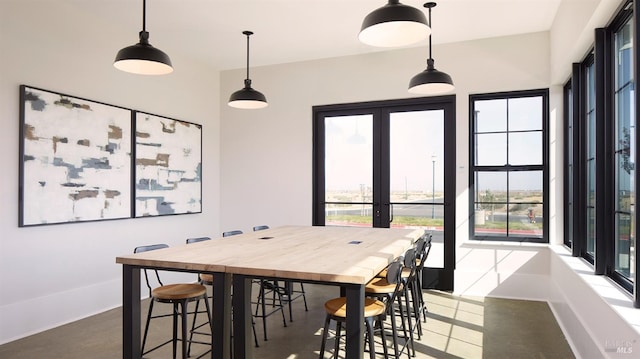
(457, 327)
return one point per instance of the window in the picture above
(568, 165)
(600, 153)
(590, 170)
(508, 166)
(624, 149)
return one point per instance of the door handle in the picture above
(390, 211)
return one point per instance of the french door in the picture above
(390, 164)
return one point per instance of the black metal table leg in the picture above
(131, 312)
(242, 348)
(221, 328)
(355, 321)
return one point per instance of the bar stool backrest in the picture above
(151, 247)
(394, 271)
(394, 276)
(423, 252)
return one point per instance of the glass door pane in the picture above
(349, 170)
(384, 165)
(416, 147)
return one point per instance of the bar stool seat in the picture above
(405, 273)
(180, 291)
(336, 309)
(206, 278)
(380, 285)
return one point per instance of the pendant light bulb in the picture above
(142, 58)
(430, 81)
(247, 97)
(394, 25)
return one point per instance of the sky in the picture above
(416, 140)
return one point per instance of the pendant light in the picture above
(248, 98)
(394, 25)
(430, 81)
(142, 58)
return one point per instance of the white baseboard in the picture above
(32, 316)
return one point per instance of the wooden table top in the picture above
(325, 254)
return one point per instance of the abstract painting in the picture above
(168, 165)
(75, 159)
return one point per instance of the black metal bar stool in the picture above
(374, 311)
(179, 295)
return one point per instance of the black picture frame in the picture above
(168, 166)
(75, 159)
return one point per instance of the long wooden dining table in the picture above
(343, 256)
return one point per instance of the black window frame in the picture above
(624, 15)
(568, 164)
(544, 167)
(602, 57)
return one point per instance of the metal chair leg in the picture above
(146, 327)
(183, 314)
(337, 341)
(325, 332)
(372, 345)
(175, 329)
(193, 327)
(410, 348)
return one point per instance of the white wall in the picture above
(54, 274)
(573, 30)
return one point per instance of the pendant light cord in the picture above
(144, 15)
(247, 81)
(431, 26)
(430, 61)
(248, 33)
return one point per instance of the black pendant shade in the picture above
(430, 81)
(394, 24)
(142, 58)
(248, 98)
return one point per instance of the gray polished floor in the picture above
(457, 327)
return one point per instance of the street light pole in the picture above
(433, 185)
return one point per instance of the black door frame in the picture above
(439, 278)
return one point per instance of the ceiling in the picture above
(299, 30)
